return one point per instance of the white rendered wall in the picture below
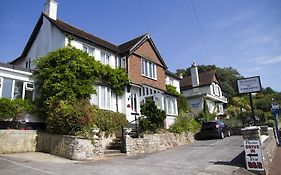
(172, 81)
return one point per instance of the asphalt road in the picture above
(201, 158)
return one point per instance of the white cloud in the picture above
(271, 60)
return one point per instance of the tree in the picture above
(64, 81)
(153, 118)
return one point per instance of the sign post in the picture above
(249, 86)
(253, 155)
(275, 111)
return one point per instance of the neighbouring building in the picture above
(204, 86)
(139, 57)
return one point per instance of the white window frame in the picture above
(170, 106)
(105, 95)
(87, 49)
(1, 86)
(105, 58)
(148, 69)
(134, 102)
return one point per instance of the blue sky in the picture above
(245, 35)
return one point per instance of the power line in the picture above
(143, 16)
(200, 29)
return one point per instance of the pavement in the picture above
(208, 157)
(275, 168)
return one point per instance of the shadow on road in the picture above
(238, 161)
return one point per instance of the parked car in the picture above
(214, 129)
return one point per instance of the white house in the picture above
(139, 57)
(197, 87)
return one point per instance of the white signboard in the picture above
(253, 155)
(249, 85)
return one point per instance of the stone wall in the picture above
(155, 142)
(268, 144)
(13, 141)
(69, 147)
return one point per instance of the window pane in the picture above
(85, 49)
(91, 51)
(7, 88)
(28, 95)
(102, 97)
(107, 59)
(18, 89)
(108, 94)
(142, 66)
(102, 57)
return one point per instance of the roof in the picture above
(172, 75)
(123, 49)
(205, 78)
(126, 47)
(10, 66)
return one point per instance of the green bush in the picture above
(108, 121)
(153, 117)
(71, 118)
(185, 123)
(15, 109)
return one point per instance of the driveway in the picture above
(201, 158)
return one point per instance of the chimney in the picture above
(50, 9)
(194, 75)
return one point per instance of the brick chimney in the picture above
(50, 9)
(194, 75)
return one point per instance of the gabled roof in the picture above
(123, 49)
(172, 75)
(132, 45)
(205, 78)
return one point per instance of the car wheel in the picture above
(221, 135)
(228, 134)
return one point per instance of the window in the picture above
(18, 89)
(105, 97)
(28, 91)
(148, 69)
(27, 64)
(134, 102)
(105, 58)
(7, 88)
(89, 50)
(216, 90)
(170, 106)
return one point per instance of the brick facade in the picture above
(134, 61)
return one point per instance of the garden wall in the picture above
(155, 142)
(14, 141)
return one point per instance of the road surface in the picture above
(206, 157)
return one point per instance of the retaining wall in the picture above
(155, 142)
(14, 141)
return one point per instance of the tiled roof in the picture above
(172, 75)
(205, 78)
(122, 49)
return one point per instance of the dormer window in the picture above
(148, 69)
(89, 50)
(216, 90)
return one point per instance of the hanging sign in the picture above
(249, 85)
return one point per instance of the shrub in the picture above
(71, 118)
(153, 117)
(108, 121)
(185, 123)
(15, 109)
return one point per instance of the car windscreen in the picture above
(208, 125)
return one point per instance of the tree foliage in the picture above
(153, 118)
(65, 80)
(15, 109)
